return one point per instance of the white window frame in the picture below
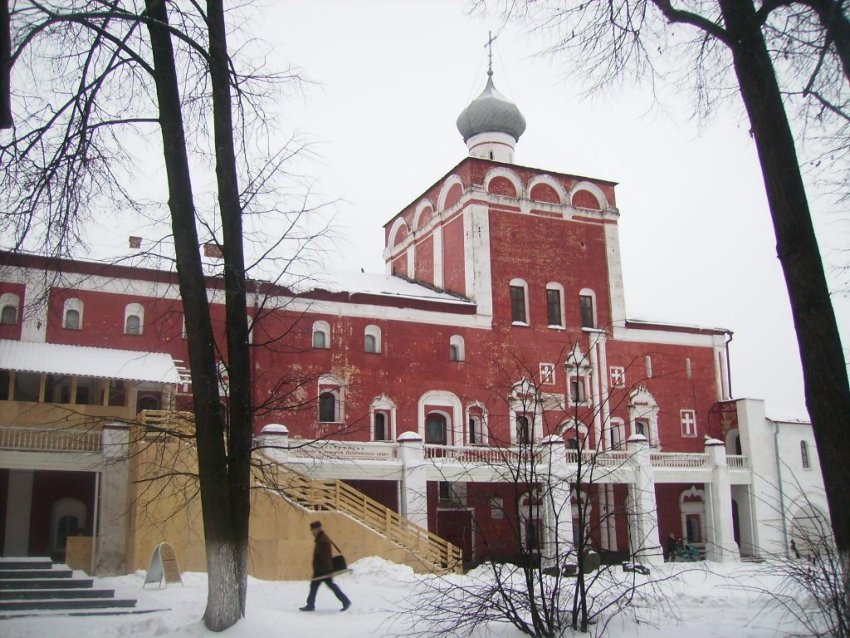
(374, 332)
(134, 310)
(616, 425)
(457, 348)
(519, 283)
(329, 383)
(324, 328)
(553, 285)
(587, 292)
(72, 304)
(10, 299)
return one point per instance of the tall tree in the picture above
(92, 78)
(614, 37)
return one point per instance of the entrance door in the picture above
(455, 526)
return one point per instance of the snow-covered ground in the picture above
(709, 600)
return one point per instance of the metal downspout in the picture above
(781, 488)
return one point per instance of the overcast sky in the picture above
(696, 240)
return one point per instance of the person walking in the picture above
(323, 569)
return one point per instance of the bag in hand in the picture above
(339, 563)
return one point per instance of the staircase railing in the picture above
(334, 495)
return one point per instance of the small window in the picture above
(804, 455)
(134, 319)
(9, 304)
(372, 339)
(9, 315)
(616, 435)
(72, 314)
(689, 423)
(519, 301)
(133, 325)
(618, 376)
(523, 430)
(642, 428)
(321, 335)
(327, 408)
(381, 426)
(585, 303)
(476, 431)
(457, 348)
(577, 394)
(553, 306)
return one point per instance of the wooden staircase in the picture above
(435, 553)
(36, 585)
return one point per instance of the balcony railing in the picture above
(679, 459)
(50, 440)
(738, 462)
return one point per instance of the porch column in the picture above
(112, 528)
(18, 513)
(274, 442)
(414, 484)
(721, 544)
(557, 510)
(644, 543)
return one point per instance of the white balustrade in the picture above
(737, 462)
(678, 459)
(50, 440)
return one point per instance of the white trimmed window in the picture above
(523, 429)
(9, 304)
(587, 308)
(616, 434)
(578, 390)
(555, 305)
(618, 377)
(72, 314)
(519, 302)
(321, 335)
(372, 339)
(134, 319)
(330, 400)
(688, 419)
(457, 350)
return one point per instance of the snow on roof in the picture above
(375, 284)
(55, 358)
(636, 321)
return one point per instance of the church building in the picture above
(446, 398)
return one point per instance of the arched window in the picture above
(519, 301)
(9, 304)
(478, 434)
(381, 429)
(456, 348)
(147, 403)
(372, 339)
(321, 335)
(555, 305)
(615, 434)
(587, 308)
(134, 319)
(72, 314)
(328, 407)
(435, 429)
(804, 455)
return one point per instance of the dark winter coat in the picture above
(322, 562)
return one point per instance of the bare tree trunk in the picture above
(223, 608)
(5, 66)
(238, 354)
(824, 368)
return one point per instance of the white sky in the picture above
(696, 239)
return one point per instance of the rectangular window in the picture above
(518, 304)
(585, 304)
(27, 386)
(497, 507)
(577, 390)
(89, 391)
(547, 373)
(553, 305)
(523, 434)
(618, 376)
(5, 384)
(689, 423)
(58, 389)
(117, 393)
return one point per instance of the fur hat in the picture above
(316, 525)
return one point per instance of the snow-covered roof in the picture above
(55, 358)
(634, 322)
(375, 284)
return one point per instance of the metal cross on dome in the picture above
(489, 45)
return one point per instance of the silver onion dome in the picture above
(491, 112)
